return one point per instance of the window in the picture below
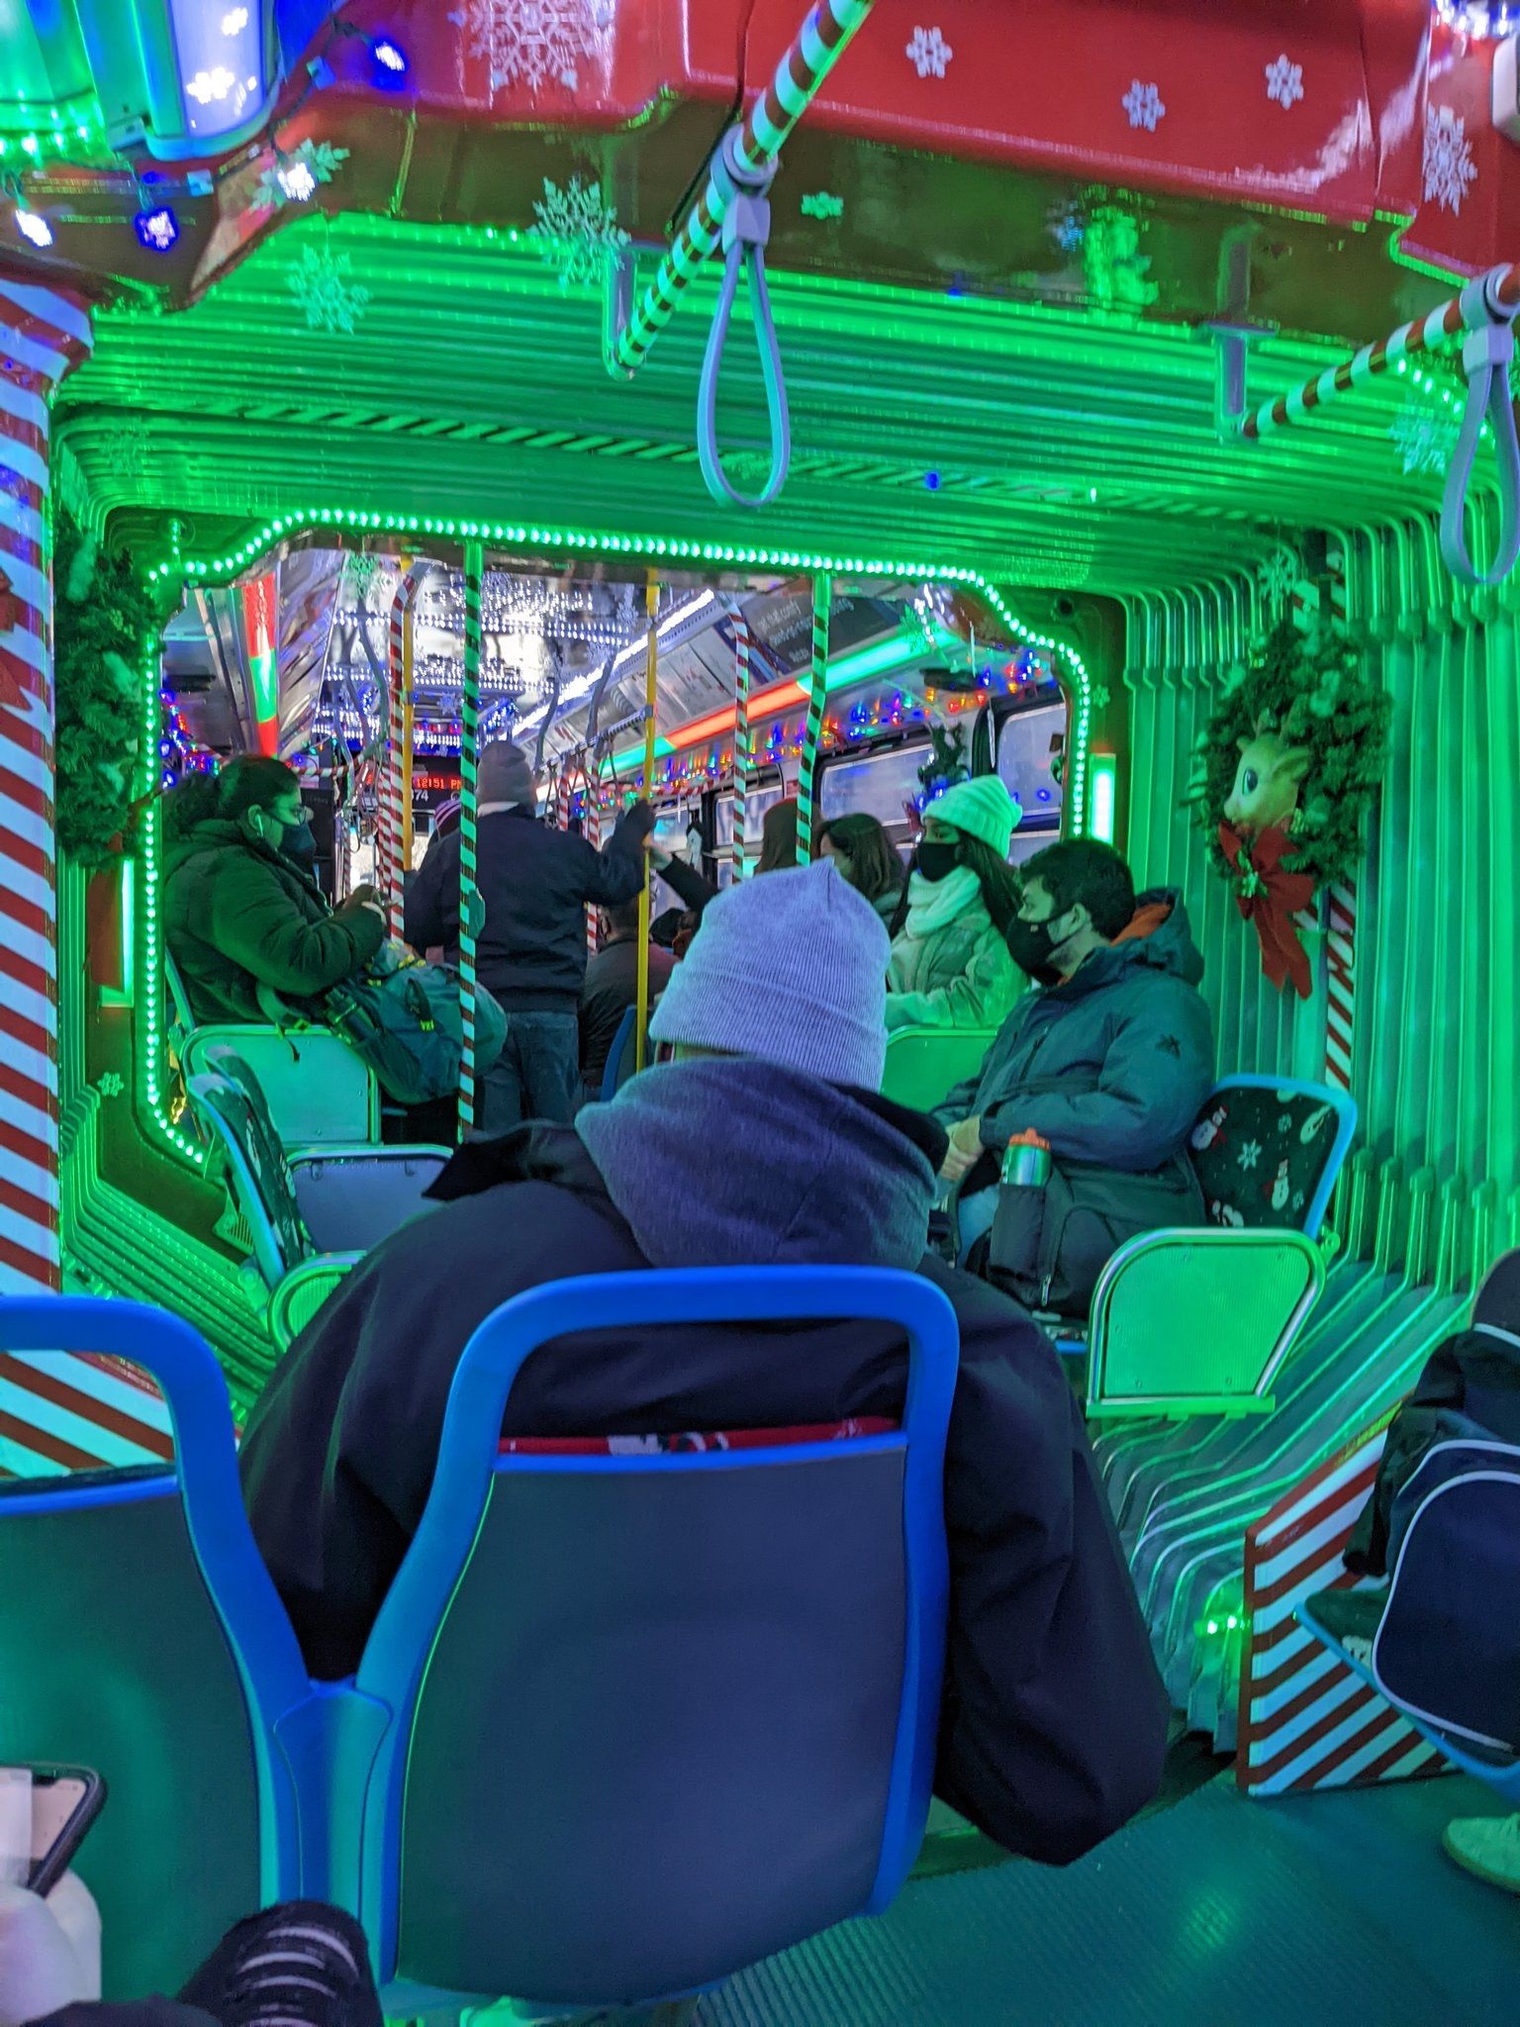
(874, 784)
(1024, 754)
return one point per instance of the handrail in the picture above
(1482, 316)
(733, 212)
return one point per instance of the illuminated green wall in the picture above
(1435, 1054)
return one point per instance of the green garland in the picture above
(104, 623)
(1312, 691)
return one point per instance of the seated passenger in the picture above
(241, 908)
(1108, 1063)
(535, 882)
(612, 986)
(950, 966)
(764, 1143)
(778, 837)
(866, 857)
(691, 887)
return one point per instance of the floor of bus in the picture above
(1218, 1911)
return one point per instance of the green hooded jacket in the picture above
(238, 915)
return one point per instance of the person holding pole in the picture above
(534, 883)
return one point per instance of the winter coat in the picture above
(238, 915)
(1110, 1067)
(536, 882)
(612, 986)
(1054, 1719)
(950, 967)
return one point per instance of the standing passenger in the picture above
(867, 858)
(778, 837)
(535, 883)
(950, 964)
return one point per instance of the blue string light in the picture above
(158, 229)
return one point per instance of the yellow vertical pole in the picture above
(651, 670)
(408, 741)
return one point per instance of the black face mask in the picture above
(937, 862)
(1031, 946)
(299, 845)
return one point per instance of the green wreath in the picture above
(1299, 742)
(103, 631)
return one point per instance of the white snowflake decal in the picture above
(320, 283)
(1285, 1120)
(1143, 104)
(1249, 1155)
(929, 52)
(293, 178)
(110, 1085)
(577, 231)
(1285, 82)
(1448, 160)
(536, 42)
(1424, 432)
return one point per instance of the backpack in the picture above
(1047, 1247)
(404, 1017)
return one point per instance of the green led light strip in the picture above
(149, 1029)
(645, 549)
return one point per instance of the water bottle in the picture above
(1020, 1219)
(1026, 1165)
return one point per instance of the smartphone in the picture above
(64, 1802)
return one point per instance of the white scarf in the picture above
(934, 904)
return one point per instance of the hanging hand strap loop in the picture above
(1486, 355)
(746, 229)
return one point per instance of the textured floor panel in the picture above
(1320, 1911)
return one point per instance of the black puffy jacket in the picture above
(535, 882)
(1054, 1721)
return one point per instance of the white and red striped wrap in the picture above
(818, 697)
(1340, 1010)
(1313, 605)
(46, 332)
(1306, 1721)
(814, 50)
(390, 808)
(1440, 326)
(743, 644)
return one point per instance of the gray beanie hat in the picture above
(792, 969)
(505, 775)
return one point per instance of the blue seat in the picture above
(311, 1212)
(651, 1717)
(1443, 1653)
(622, 1056)
(140, 1635)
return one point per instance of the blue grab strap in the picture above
(1486, 356)
(746, 229)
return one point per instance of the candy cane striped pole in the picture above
(822, 40)
(1340, 1014)
(742, 645)
(45, 333)
(1490, 296)
(818, 697)
(469, 801)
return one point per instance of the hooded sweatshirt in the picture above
(1110, 1066)
(1054, 1720)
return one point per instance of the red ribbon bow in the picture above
(1270, 897)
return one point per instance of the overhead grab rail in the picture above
(1482, 316)
(733, 212)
